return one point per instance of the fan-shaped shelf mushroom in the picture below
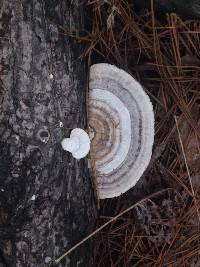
(121, 123)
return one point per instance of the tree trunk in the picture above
(47, 202)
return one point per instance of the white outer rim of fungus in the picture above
(131, 94)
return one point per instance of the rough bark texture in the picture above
(46, 197)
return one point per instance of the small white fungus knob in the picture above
(78, 143)
(70, 144)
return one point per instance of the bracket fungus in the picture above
(78, 143)
(121, 124)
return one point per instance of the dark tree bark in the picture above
(46, 196)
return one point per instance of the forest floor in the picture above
(164, 56)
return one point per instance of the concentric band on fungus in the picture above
(121, 120)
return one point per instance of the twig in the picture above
(109, 222)
(187, 168)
